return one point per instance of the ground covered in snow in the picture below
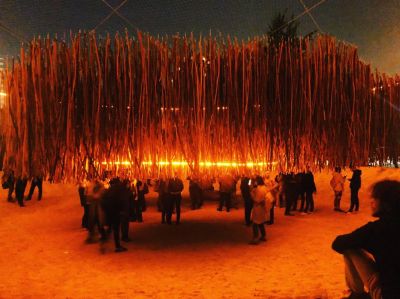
(43, 254)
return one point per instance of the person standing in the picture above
(115, 203)
(227, 187)
(175, 187)
(245, 183)
(355, 185)
(309, 188)
(8, 181)
(94, 193)
(20, 187)
(259, 217)
(372, 252)
(337, 184)
(37, 181)
(195, 193)
(291, 193)
(141, 191)
(82, 197)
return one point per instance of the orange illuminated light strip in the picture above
(203, 163)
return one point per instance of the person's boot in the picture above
(120, 249)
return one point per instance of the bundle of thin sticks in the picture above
(137, 103)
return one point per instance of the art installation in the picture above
(213, 104)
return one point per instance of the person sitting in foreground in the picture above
(372, 252)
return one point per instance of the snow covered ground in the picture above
(43, 254)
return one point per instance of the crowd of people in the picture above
(103, 199)
(17, 185)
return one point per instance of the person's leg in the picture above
(10, 192)
(40, 188)
(335, 202)
(247, 211)
(361, 273)
(124, 218)
(140, 210)
(170, 207)
(31, 190)
(303, 200)
(288, 205)
(311, 202)
(352, 202)
(20, 198)
(177, 201)
(339, 199)
(91, 222)
(307, 208)
(221, 201)
(255, 231)
(272, 214)
(356, 201)
(294, 202)
(261, 227)
(228, 201)
(115, 222)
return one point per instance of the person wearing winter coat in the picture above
(175, 187)
(259, 213)
(372, 252)
(82, 197)
(309, 188)
(337, 184)
(227, 188)
(245, 183)
(8, 182)
(140, 202)
(355, 185)
(93, 195)
(20, 187)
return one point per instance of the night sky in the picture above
(372, 25)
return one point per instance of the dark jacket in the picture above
(355, 181)
(245, 188)
(175, 186)
(381, 238)
(308, 182)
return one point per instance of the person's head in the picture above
(338, 169)
(386, 199)
(259, 180)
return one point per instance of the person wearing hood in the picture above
(372, 252)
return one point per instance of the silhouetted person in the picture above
(227, 187)
(298, 179)
(94, 193)
(20, 187)
(309, 188)
(141, 190)
(9, 183)
(175, 187)
(372, 252)
(337, 184)
(291, 193)
(195, 193)
(248, 201)
(82, 197)
(37, 181)
(355, 185)
(115, 203)
(164, 200)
